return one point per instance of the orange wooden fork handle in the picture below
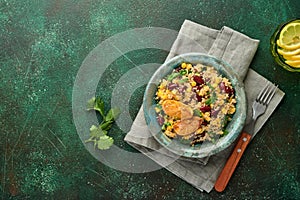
(232, 162)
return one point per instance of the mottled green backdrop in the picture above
(43, 44)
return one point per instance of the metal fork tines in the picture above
(260, 104)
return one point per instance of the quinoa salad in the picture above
(194, 103)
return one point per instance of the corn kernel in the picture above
(231, 110)
(226, 81)
(232, 101)
(224, 110)
(189, 66)
(220, 132)
(206, 88)
(199, 131)
(169, 128)
(170, 134)
(193, 83)
(202, 92)
(183, 65)
(160, 93)
(206, 116)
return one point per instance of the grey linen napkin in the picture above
(236, 49)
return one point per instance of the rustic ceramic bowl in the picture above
(208, 148)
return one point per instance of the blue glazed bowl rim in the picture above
(206, 148)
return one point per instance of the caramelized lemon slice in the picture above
(187, 126)
(177, 109)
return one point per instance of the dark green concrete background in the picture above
(43, 44)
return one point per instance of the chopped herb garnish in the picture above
(198, 113)
(213, 97)
(225, 132)
(183, 72)
(183, 80)
(172, 76)
(168, 124)
(208, 101)
(158, 106)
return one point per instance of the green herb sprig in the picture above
(98, 134)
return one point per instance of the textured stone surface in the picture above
(43, 44)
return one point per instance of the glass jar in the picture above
(278, 57)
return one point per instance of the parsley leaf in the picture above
(112, 114)
(99, 106)
(98, 134)
(105, 142)
(91, 103)
(105, 125)
(96, 104)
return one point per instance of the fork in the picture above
(259, 107)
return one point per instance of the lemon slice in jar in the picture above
(293, 63)
(288, 44)
(285, 52)
(289, 38)
(294, 57)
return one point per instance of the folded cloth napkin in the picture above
(236, 49)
